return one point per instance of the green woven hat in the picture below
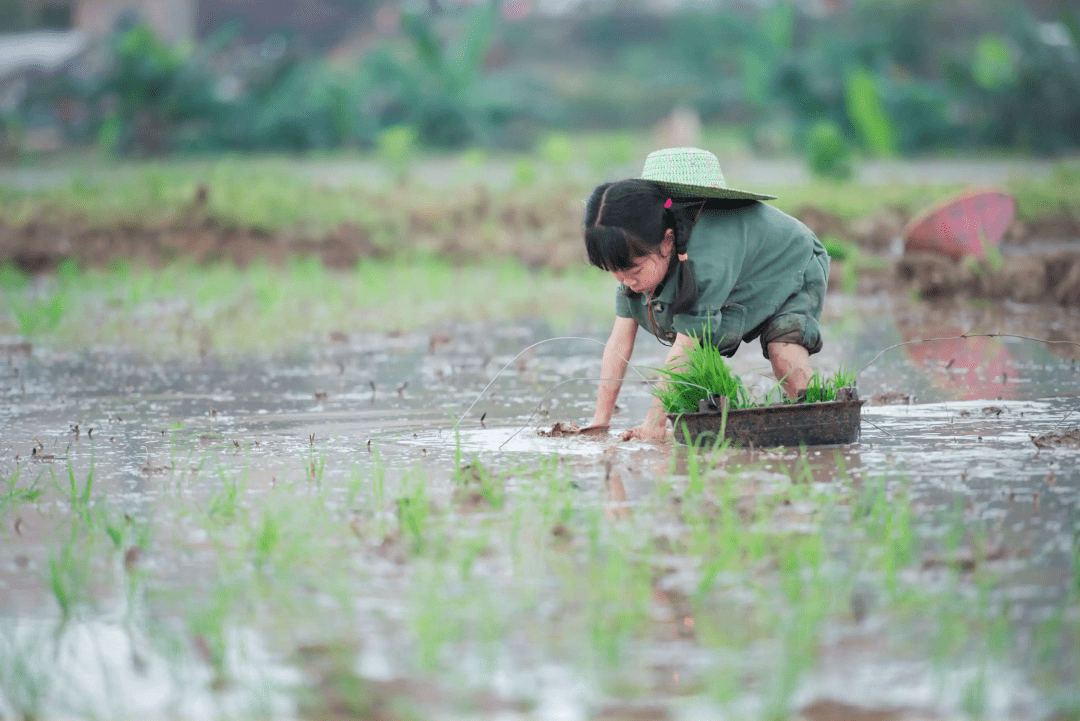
(694, 172)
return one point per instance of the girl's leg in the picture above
(791, 365)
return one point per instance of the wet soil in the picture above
(1066, 439)
(42, 247)
(1038, 276)
(962, 441)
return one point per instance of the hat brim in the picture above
(705, 191)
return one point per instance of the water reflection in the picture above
(102, 669)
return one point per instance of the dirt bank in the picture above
(1036, 278)
(540, 233)
(41, 247)
(876, 232)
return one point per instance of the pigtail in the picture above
(681, 217)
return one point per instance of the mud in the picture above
(38, 248)
(569, 428)
(541, 234)
(1066, 439)
(1036, 278)
(961, 449)
(561, 430)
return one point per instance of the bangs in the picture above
(613, 249)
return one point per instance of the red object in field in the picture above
(975, 367)
(962, 226)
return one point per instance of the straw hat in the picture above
(693, 172)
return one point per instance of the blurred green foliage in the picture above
(891, 76)
(397, 144)
(868, 113)
(993, 66)
(827, 151)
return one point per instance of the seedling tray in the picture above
(791, 425)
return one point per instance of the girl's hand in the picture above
(646, 432)
(594, 429)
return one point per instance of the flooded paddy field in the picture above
(308, 533)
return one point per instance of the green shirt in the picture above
(748, 261)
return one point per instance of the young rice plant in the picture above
(705, 372)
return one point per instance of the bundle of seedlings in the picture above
(824, 390)
(704, 375)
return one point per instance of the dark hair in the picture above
(627, 220)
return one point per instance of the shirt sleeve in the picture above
(622, 303)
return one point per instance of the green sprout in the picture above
(823, 390)
(704, 372)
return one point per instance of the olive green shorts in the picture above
(796, 320)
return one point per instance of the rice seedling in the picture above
(69, 577)
(78, 497)
(116, 528)
(13, 496)
(751, 560)
(26, 670)
(266, 539)
(413, 509)
(226, 501)
(704, 372)
(820, 389)
(210, 624)
(38, 317)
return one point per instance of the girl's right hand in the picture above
(646, 432)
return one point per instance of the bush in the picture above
(839, 250)
(153, 98)
(397, 145)
(893, 76)
(827, 152)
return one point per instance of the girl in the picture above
(697, 259)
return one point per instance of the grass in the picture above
(469, 210)
(1036, 199)
(182, 309)
(470, 240)
(38, 317)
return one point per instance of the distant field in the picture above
(466, 207)
(182, 309)
(192, 254)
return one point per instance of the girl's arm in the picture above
(655, 426)
(617, 351)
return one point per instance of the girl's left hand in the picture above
(646, 432)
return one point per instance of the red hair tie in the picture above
(668, 203)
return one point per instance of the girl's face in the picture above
(649, 270)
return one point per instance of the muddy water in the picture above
(956, 437)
